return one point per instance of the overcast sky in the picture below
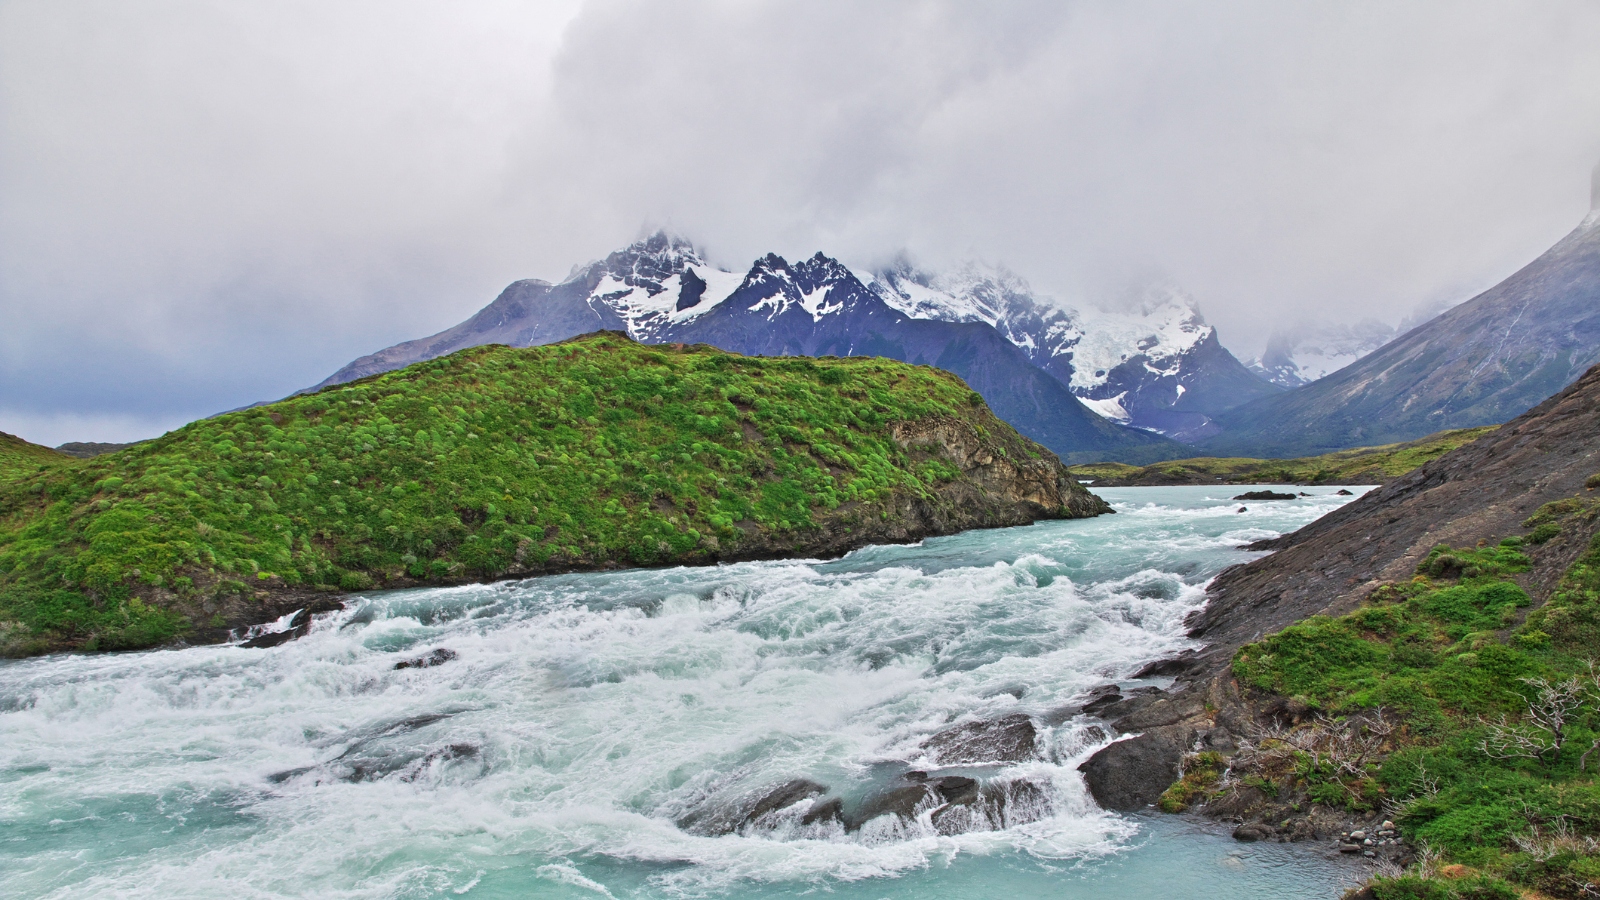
(205, 204)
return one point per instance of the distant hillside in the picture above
(89, 449)
(1363, 465)
(1483, 362)
(497, 462)
(17, 456)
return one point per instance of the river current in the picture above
(587, 721)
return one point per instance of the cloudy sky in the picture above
(205, 204)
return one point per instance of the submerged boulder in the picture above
(762, 808)
(437, 658)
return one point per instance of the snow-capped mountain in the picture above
(1157, 366)
(1311, 350)
(662, 290)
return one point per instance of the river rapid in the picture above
(584, 717)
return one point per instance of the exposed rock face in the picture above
(999, 474)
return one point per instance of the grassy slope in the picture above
(1363, 465)
(1446, 655)
(19, 458)
(487, 462)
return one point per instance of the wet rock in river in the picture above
(1251, 832)
(1131, 774)
(956, 804)
(1006, 739)
(828, 811)
(784, 796)
(299, 627)
(1182, 664)
(436, 658)
(762, 808)
(1264, 495)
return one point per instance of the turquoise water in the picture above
(585, 715)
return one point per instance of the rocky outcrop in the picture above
(1008, 478)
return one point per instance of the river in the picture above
(584, 716)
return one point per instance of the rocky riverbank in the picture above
(1226, 749)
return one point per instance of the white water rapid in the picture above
(598, 735)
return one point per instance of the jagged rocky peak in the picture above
(648, 263)
(820, 272)
(1306, 351)
(821, 286)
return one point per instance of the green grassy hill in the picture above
(495, 462)
(19, 458)
(1363, 465)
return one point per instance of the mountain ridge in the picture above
(661, 290)
(1479, 363)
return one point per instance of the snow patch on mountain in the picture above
(1109, 408)
(656, 283)
(650, 309)
(1162, 323)
(1162, 326)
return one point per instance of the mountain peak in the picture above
(653, 258)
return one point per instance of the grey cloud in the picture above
(206, 204)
